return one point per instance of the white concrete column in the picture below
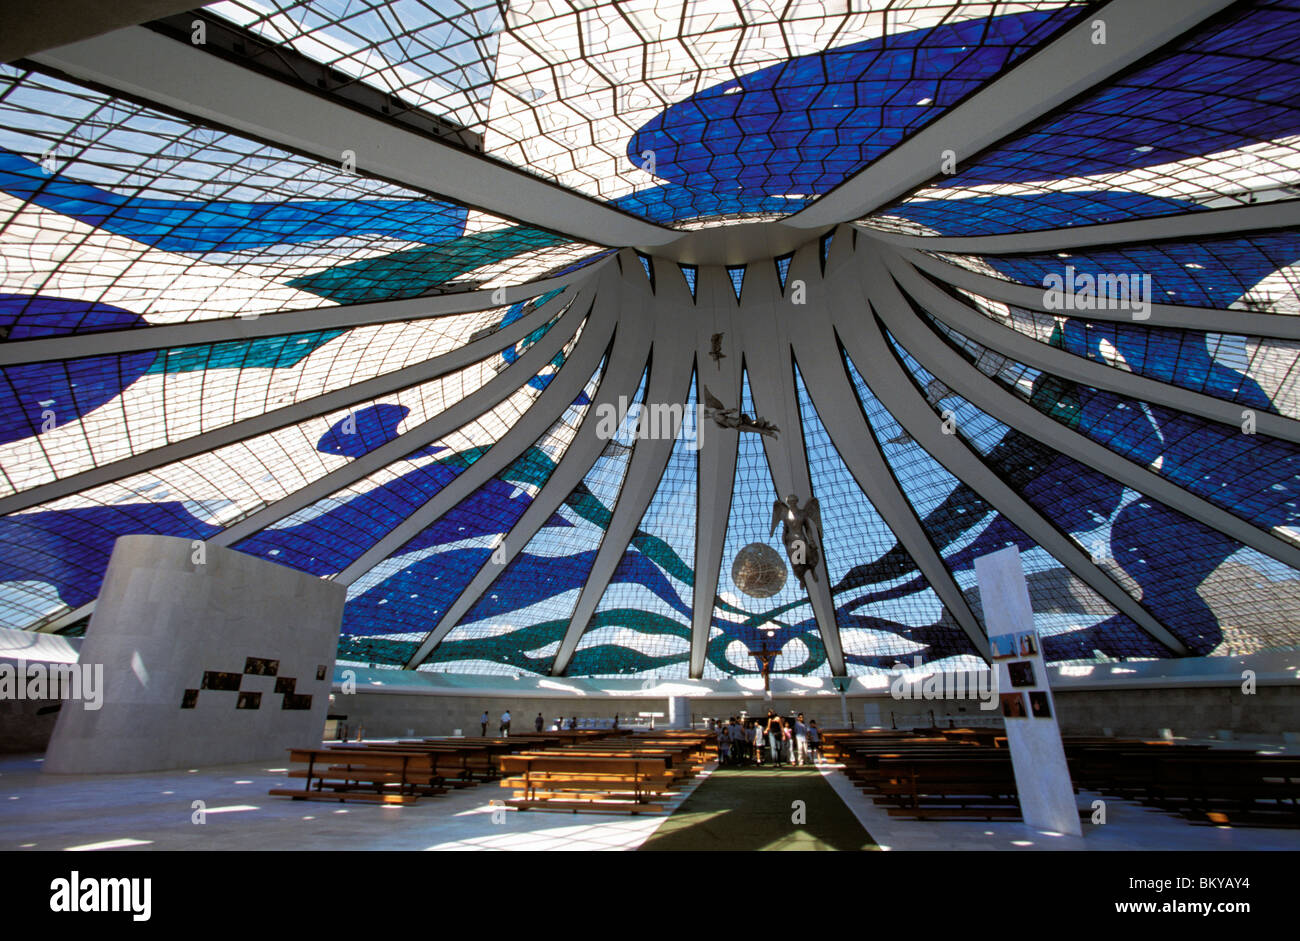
(1037, 755)
(209, 656)
(679, 712)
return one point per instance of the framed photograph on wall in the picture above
(1013, 705)
(1028, 643)
(1021, 673)
(1040, 705)
(1003, 646)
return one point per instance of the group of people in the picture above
(771, 741)
(538, 724)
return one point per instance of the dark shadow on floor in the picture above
(754, 809)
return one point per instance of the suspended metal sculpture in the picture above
(758, 570)
(715, 353)
(725, 417)
(801, 533)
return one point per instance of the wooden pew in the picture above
(676, 769)
(552, 780)
(1208, 786)
(383, 777)
(939, 788)
(459, 765)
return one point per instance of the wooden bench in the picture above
(553, 780)
(458, 765)
(1213, 787)
(970, 789)
(369, 775)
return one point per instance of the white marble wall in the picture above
(165, 616)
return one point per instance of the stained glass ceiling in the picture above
(214, 330)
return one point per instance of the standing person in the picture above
(774, 736)
(800, 741)
(505, 724)
(724, 745)
(787, 742)
(757, 731)
(539, 722)
(814, 741)
(737, 741)
(483, 721)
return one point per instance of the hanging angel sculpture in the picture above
(801, 533)
(725, 417)
(715, 352)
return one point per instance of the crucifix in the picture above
(765, 656)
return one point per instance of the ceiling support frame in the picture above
(317, 405)
(1004, 341)
(627, 361)
(1066, 67)
(865, 343)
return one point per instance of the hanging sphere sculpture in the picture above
(758, 571)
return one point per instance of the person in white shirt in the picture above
(758, 742)
(505, 723)
(800, 741)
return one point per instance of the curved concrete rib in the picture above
(866, 345)
(817, 351)
(147, 65)
(550, 405)
(621, 377)
(227, 329)
(316, 405)
(1024, 349)
(1175, 316)
(1060, 70)
(717, 457)
(986, 394)
(767, 322)
(1201, 223)
(670, 376)
(463, 411)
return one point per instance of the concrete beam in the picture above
(672, 315)
(1183, 226)
(866, 345)
(1024, 349)
(145, 65)
(234, 329)
(1173, 316)
(1061, 70)
(622, 374)
(308, 408)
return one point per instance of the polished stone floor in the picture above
(1128, 826)
(158, 811)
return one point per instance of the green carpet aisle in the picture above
(753, 809)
